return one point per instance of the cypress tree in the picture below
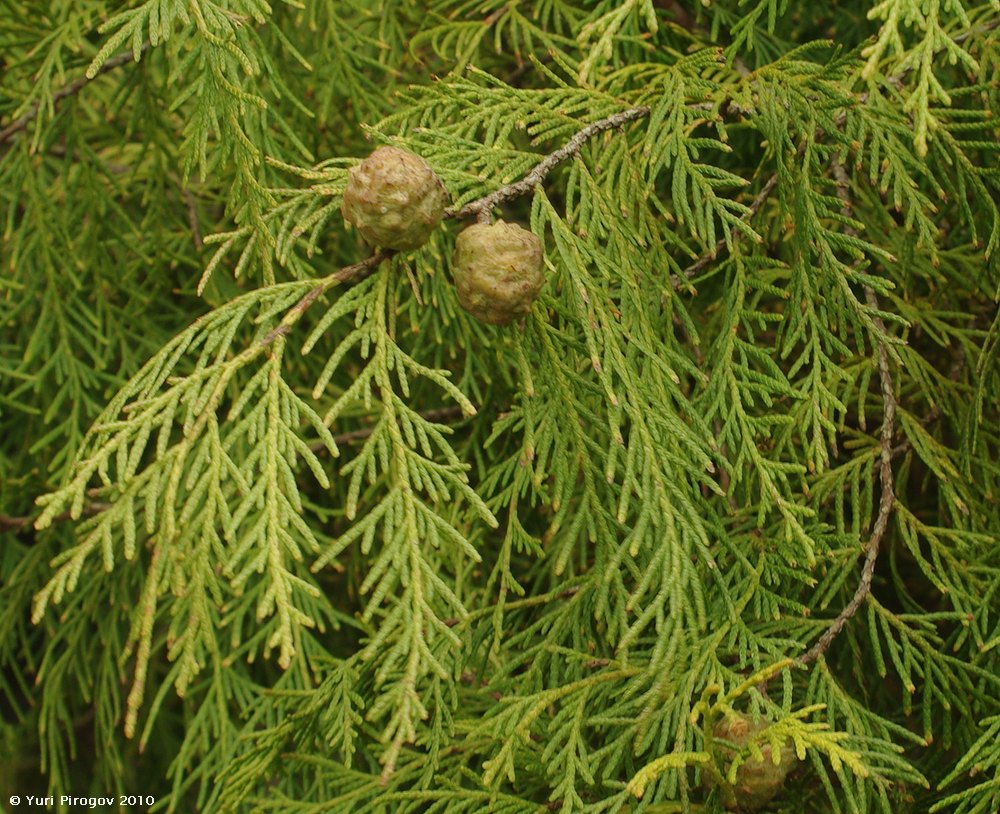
(703, 517)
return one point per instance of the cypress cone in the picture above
(394, 199)
(757, 781)
(498, 271)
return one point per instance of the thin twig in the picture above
(482, 207)
(979, 29)
(437, 415)
(681, 16)
(16, 523)
(888, 498)
(516, 604)
(192, 208)
(353, 273)
(954, 374)
(698, 33)
(706, 259)
(68, 89)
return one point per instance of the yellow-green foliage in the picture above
(284, 528)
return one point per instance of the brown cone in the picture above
(394, 199)
(498, 271)
(757, 781)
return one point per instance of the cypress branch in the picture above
(886, 435)
(573, 562)
(69, 89)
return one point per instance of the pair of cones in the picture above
(395, 200)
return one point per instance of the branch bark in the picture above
(16, 523)
(69, 89)
(482, 208)
(888, 498)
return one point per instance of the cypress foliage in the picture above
(284, 528)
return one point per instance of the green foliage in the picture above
(283, 528)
